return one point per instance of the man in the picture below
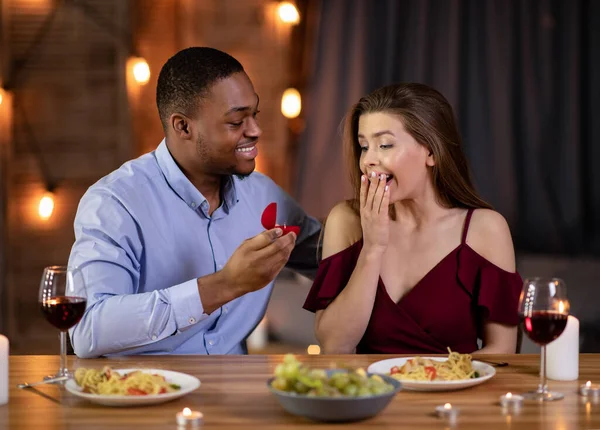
(174, 255)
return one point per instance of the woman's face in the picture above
(386, 147)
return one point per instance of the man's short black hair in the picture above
(187, 76)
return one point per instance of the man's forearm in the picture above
(215, 291)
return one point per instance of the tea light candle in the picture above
(589, 389)
(511, 400)
(447, 411)
(189, 418)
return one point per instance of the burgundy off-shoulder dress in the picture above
(446, 308)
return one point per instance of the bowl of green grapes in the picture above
(332, 395)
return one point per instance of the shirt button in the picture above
(225, 309)
(220, 266)
(211, 342)
(193, 204)
(192, 320)
(154, 337)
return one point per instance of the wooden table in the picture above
(233, 395)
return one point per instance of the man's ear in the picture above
(181, 126)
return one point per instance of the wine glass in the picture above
(62, 301)
(544, 311)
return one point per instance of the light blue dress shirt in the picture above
(143, 235)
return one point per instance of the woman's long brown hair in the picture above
(428, 118)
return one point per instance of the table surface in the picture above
(233, 395)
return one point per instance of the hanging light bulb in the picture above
(291, 103)
(46, 206)
(1, 95)
(141, 70)
(288, 13)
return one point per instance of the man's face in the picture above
(226, 128)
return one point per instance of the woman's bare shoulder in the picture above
(489, 235)
(342, 229)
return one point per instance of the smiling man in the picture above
(171, 245)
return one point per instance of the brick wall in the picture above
(86, 120)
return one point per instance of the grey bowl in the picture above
(334, 409)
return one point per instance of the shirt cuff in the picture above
(186, 304)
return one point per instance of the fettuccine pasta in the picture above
(457, 367)
(109, 382)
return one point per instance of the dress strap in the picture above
(466, 226)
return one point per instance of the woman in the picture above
(417, 262)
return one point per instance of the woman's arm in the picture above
(490, 237)
(342, 324)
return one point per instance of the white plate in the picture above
(384, 366)
(187, 383)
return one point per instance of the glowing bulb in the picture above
(0, 96)
(187, 412)
(291, 103)
(46, 206)
(313, 349)
(141, 71)
(447, 406)
(288, 13)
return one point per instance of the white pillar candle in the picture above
(562, 355)
(3, 370)
(258, 339)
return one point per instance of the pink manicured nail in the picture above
(363, 178)
(387, 187)
(373, 174)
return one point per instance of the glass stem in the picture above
(543, 387)
(63, 354)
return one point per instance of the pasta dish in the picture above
(110, 382)
(456, 367)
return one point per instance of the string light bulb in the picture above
(46, 206)
(291, 103)
(1, 95)
(141, 70)
(288, 13)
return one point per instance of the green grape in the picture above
(363, 391)
(280, 384)
(290, 359)
(301, 388)
(279, 370)
(350, 390)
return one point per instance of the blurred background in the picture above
(77, 99)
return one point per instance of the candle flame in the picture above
(187, 412)
(509, 395)
(561, 307)
(588, 384)
(447, 406)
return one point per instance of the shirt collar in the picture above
(182, 186)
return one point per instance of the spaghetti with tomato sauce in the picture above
(456, 367)
(108, 382)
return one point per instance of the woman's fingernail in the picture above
(381, 177)
(373, 174)
(363, 178)
(387, 187)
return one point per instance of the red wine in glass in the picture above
(543, 327)
(63, 312)
(62, 301)
(544, 311)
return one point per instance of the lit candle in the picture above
(188, 418)
(3, 370)
(589, 389)
(447, 411)
(510, 400)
